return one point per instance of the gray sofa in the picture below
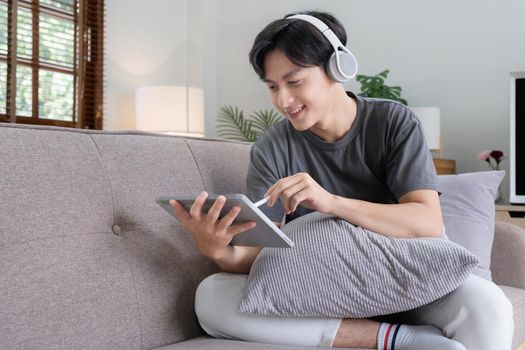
(88, 260)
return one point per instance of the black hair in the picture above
(302, 43)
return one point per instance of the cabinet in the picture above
(445, 166)
(514, 214)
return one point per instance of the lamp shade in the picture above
(170, 109)
(431, 121)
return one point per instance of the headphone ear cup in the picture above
(348, 65)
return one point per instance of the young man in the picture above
(363, 160)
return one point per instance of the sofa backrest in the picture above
(87, 258)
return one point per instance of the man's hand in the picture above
(212, 235)
(300, 189)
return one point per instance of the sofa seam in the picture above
(196, 164)
(107, 178)
(113, 222)
(139, 313)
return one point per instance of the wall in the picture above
(455, 55)
(145, 45)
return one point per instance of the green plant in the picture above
(374, 86)
(233, 125)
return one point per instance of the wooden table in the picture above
(515, 214)
(445, 166)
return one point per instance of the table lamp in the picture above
(175, 110)
(430, 120)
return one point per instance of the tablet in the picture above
(264, 234)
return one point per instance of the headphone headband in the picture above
(323, 28)
(334, 66)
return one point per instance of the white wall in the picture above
(455, 55)
(145, 45)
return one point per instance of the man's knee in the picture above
(482, 305)
(499, 309)
(490, 302)
(204, 308)
(216, 303)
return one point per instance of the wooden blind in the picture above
(51, 62)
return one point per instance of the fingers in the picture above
(215, 210)
(239, 228)
(276, 189)
(211, 226)
(225, 224)
(293, 196)
(228, 219)
(181, 213)
(196, 208)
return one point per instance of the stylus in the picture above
(261, 202)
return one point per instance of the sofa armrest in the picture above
(508, 255)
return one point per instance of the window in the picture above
(51, 62)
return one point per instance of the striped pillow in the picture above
(467, 202)
(339, 270)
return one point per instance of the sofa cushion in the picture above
(87, 258)
(227, 344)
(467, 203)
(339, 270)
(68, 292)
(53, 184)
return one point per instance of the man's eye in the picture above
(294, 82)
(272, 87)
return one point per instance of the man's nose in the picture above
(285, 98)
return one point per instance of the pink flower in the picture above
(493, 158)
(484, 155)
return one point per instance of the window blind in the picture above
(51, 62)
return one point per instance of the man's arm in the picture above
(239, 259)
(418, 214)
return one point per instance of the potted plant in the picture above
(233, 125)
(374, 86)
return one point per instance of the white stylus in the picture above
(264, 200)
(261, 202)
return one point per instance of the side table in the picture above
(445, 166)
(514, 214)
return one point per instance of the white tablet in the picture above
(264, 234)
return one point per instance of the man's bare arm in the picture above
(418, 214)
(237, 259)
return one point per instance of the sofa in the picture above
(88, 260)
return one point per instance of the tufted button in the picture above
(116, 229)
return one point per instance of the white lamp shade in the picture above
(430, 120)
(170, 109)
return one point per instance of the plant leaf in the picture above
(374, 86)
(263, 120)
(233, 126)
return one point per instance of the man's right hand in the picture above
(211, 234)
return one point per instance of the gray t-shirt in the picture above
(382, 157)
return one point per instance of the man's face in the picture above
(301, 94)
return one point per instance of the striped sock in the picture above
(387, 336)
(404, 337)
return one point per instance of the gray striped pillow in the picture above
(339, 270)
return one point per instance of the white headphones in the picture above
(342, 65)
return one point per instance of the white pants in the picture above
(477, 314)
